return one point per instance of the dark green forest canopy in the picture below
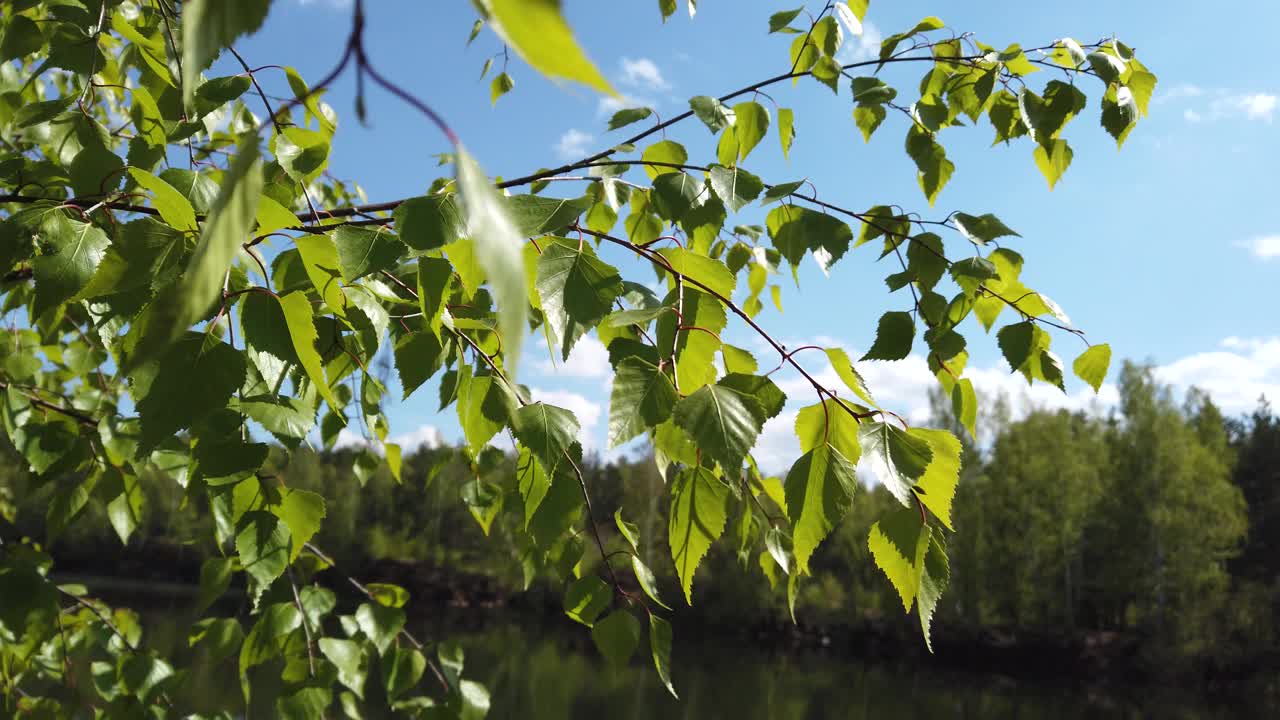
(154, 341)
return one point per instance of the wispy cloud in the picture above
(589, 359)
(1203, 105)
(642, 73)
(1235, 376)
(573, 144)
(1263, 247)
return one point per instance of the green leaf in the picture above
(769, 399)
(586, 598)
(72, 251)
(934, 578)
(738, 360)
(267, 638)
(484, 408)
(498, 246)
(215, 578)
(363, 250)
(982, 228)
(301, 511)
(219, 637)
(1119, 112)
(229, 223)
(777, 22)
(724, 423)
(660, 647)
(577, 290)
(95, 171)
(379, 623)
(537, 31)
(349, 658)
(124, 511)
(894, 336)
(319, 256)
(964, 405)
(934, 169)
(1016, 342)
(704, 270)
(642, 397)
(848, 374)
(674, 195)
(262, 543)
(736, 187)
(778, 545)
(629, 531)
(173, 208)
(303, 154)
(547, 431)
(896, 458)
(868, 119)
(780, 191)
(172, 400)
(666, 151)
(499, 86)
(305, 703)
(1105, 65)
(617, 636)
(646, 580)
(786, 129)
(898, 542)
(626, 116)
(418, 357)
(302, 332)
(535, 215)
(1092, 364)
(714, 114)
(429, 223)
(827, 423)
(750, 125)
(819, 491)
(699, 509)
(937, 486)
(402, 668)
(796, 230)
(210, 25)
(1053, 159)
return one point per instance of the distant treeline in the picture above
(1159, 519)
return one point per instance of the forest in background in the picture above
(1158, 519)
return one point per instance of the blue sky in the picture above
(1168, 250)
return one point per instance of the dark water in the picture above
(539, 668)
(539, 673)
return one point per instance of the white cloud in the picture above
(1178, 92)
(861, 48)
(1235, 376)
(1208, 105)
(426, 436)
(347, 438)
(1263, 247)
(589, 359)
(643, 73)
(587, 412)
(1258, 106)
(573, 144)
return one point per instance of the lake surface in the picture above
(539, 668)
(540, 674)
